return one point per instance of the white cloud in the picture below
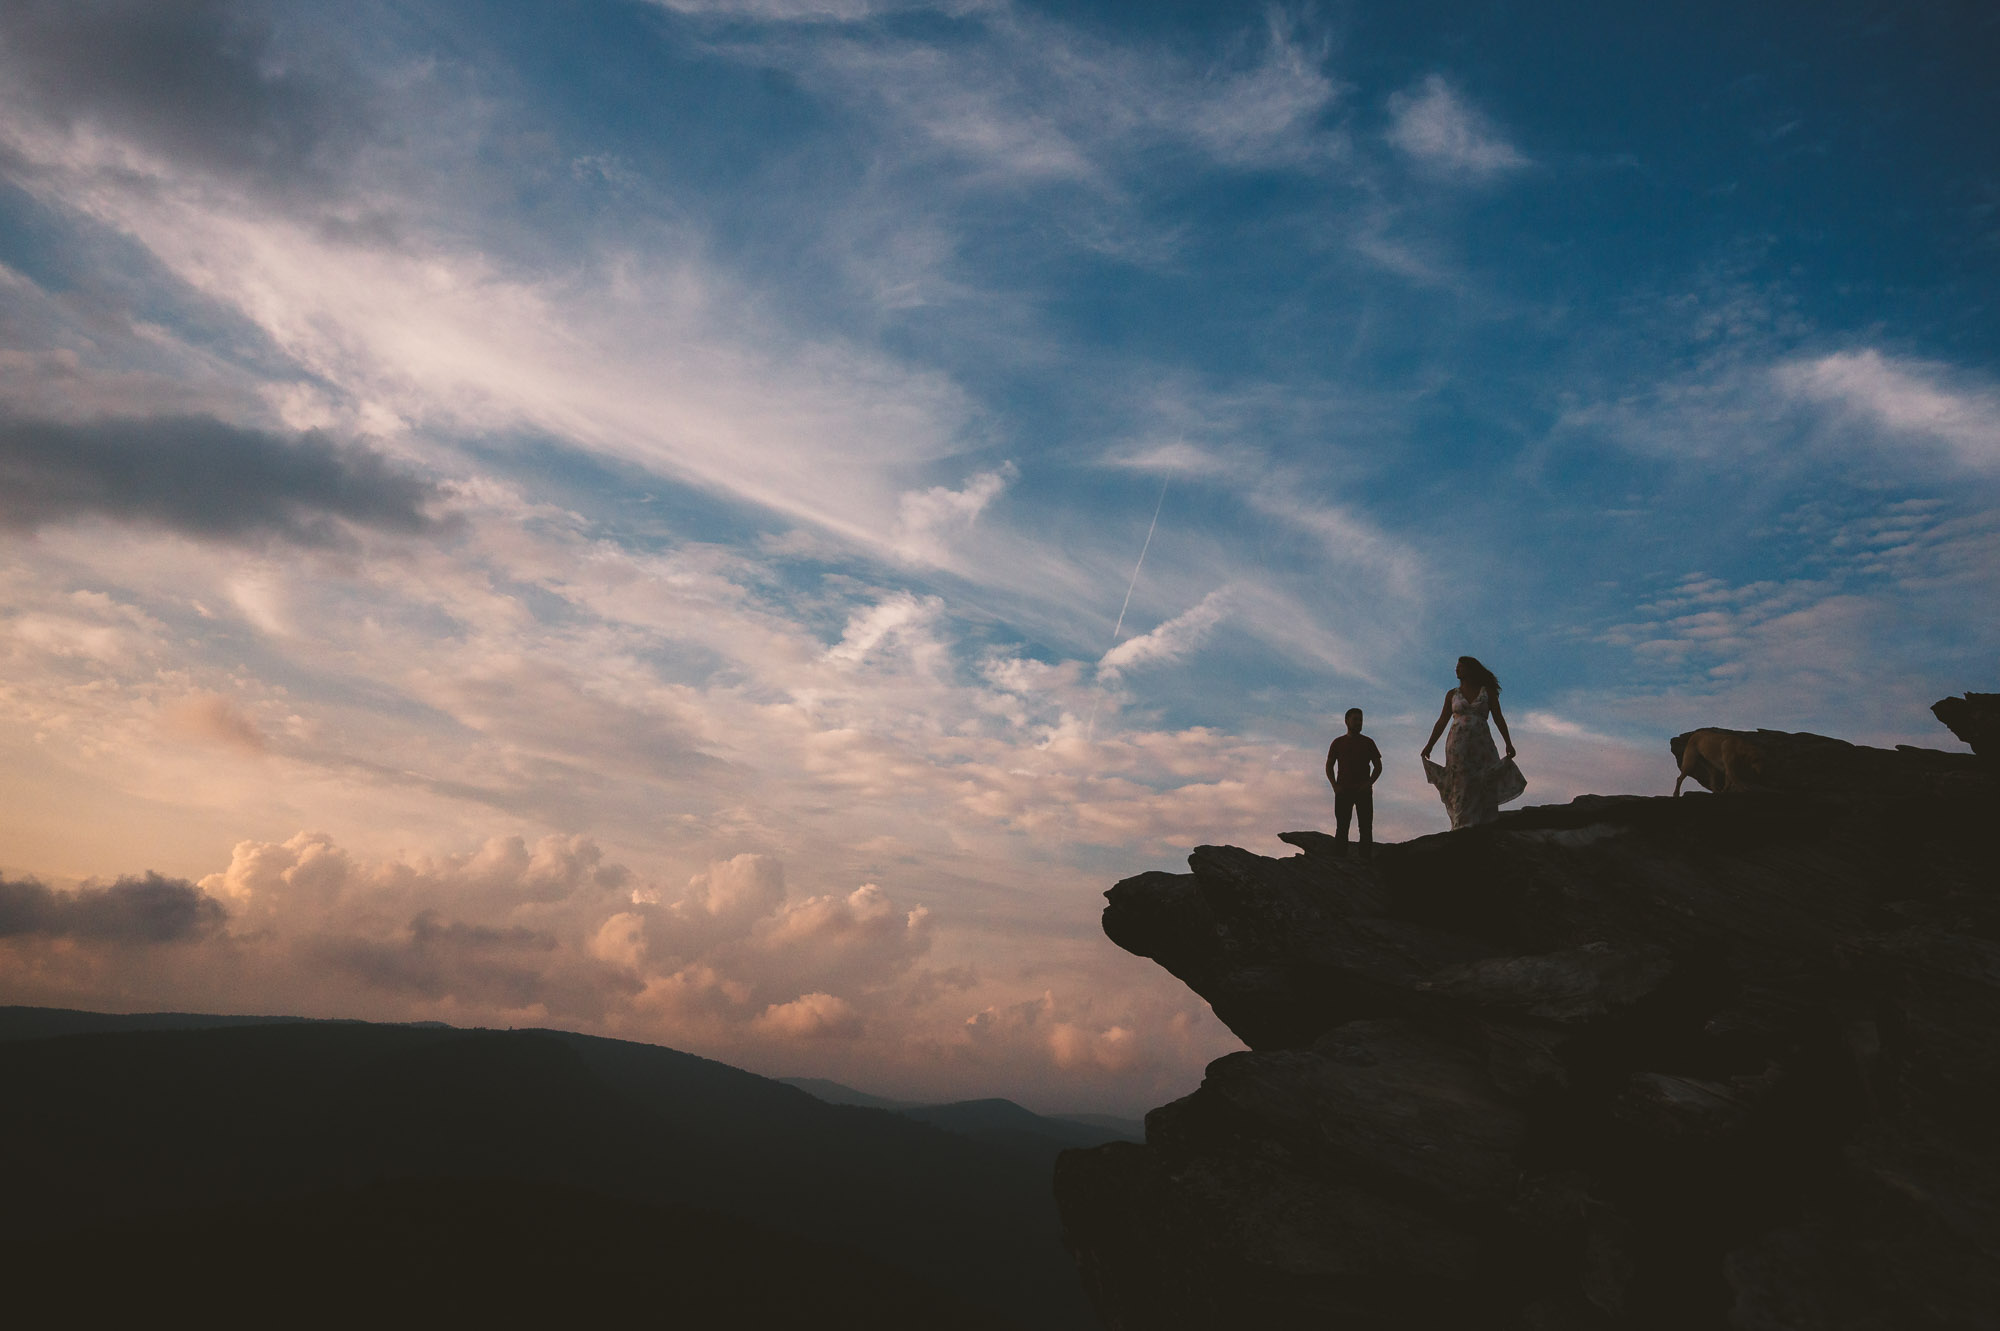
(1036, 101)
(739, 890)
(1175, 457)
(901, 625)
(1064, 1034)
(662, 361)
(1907, 399)
(852, 942)
(1266, 112)
(621, 941)
(1744, 398)
(1169, 641)
(510, 928)
(297, 884)
(928, 519)
(299, 877)
(810, 1017)
(1437, 127)
(818, 11)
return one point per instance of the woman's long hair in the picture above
(1481, 676)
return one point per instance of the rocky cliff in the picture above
(1727, 1060)
(1975, 718)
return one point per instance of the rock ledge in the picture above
(1627, 1062)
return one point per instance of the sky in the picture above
(730, 523)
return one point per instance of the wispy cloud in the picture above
(1745, 399)
(1169, 641)
(927, 519)
(820, 11)
(1906, 400)
(1436, 126)
(1038, 101)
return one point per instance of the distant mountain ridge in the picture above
(987, 1118)
(117, 1143)
(36, 1023)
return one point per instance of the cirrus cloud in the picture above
(1440, 130)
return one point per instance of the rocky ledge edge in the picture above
(1627, 1062)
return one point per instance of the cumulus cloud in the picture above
(148, 909)
(847, 941)
(511, 927)
(1436, 126)
(734, 893)
(1067, 1038)
(440, 958)
(556, 869)
(1169, 641)
(296, 882)
(204, 477)
(553, 926)
(1907, 399)
(266, 878)
(810, 1017)
(621, 940)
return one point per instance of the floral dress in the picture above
(1475, 780)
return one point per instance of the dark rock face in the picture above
(1816, 764)
(1627, 1062)
(1975, 718)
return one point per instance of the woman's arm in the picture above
(1501, 721)
(1444, 719)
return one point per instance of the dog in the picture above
(1720, 759)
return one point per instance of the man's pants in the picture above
(1346, 802)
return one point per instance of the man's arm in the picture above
(1374, 764)
(1329, 764)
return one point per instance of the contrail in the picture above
(1090, 731)
(1117, 628)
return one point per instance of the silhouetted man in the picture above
(1352, 765)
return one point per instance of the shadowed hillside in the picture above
(463, 1251)
(118, 1143)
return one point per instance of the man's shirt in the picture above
(1350, 756)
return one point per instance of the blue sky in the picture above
(619, 514)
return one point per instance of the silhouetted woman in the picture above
(1475, 779)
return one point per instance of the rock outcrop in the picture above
(1724, 1060)
(1816, 764)
(1975, 718)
